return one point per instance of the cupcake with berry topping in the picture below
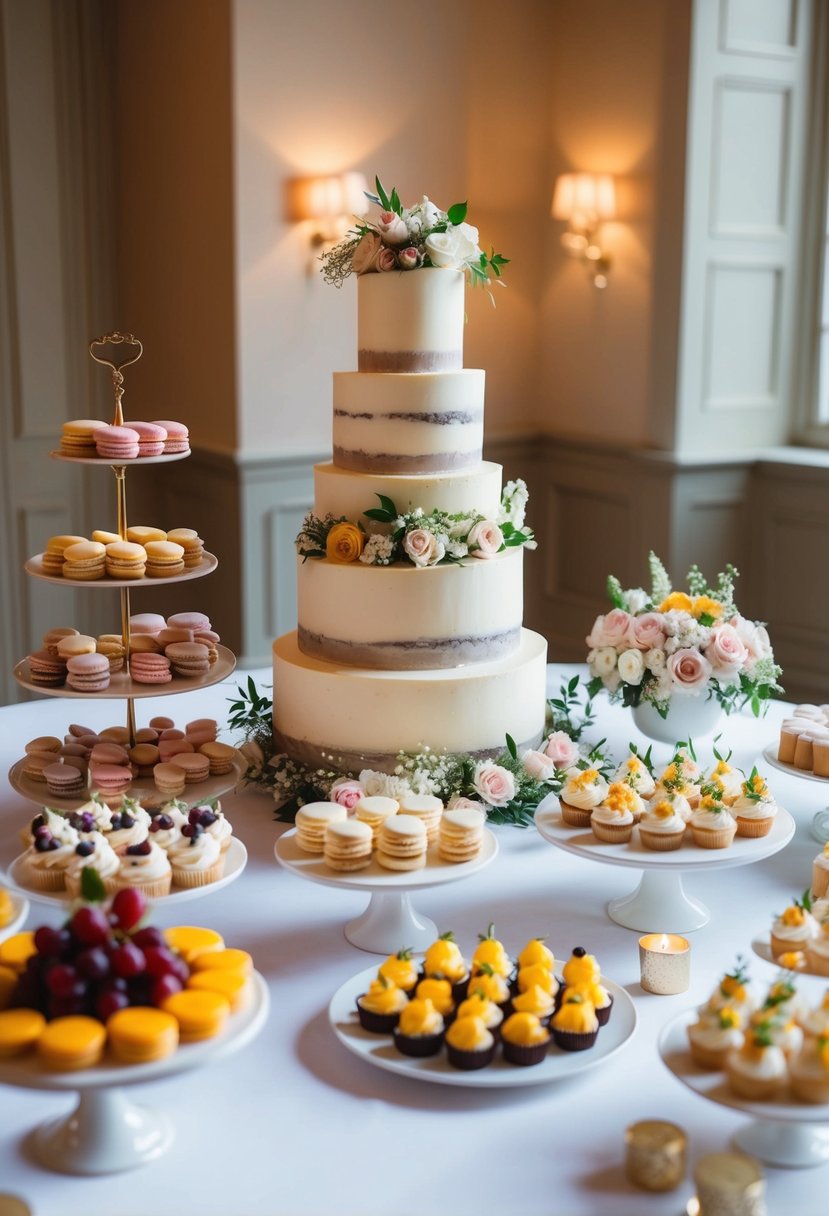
(820, 873)
(575, 1025)
(809, 1071)
(794, 928)
(443, 961)
(712, 825)
(581, 793)
(490, 950)
(420, 1029)
(581, 968)
(214, 821)
(478, 1005)
(93, 849)
(758, 1070)
(145, 867)
(93, 816)
(728, 778)
(46, 859)
(196, 858)
(613, 819)
(379, 1009)
(165, 830)
(714, 1036)
(526, 1039)
(129, 825)
(470, 1044)
(754, 809)
(662, 827)
(637, 774)
(400, 969)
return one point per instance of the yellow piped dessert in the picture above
(492, 952)
(536, 1001)
(443, 960)
(536, 953)
(379, 1008)
(525, 1039)
(494, 987)
(477, 1005)
(419, 1032)
(598, 996)
(439, 992)
(581, 968)
(537, 976)
(470, 1044)
(575, 1025)
(400, 969)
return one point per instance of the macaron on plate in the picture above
(142, 788)
(236, 859)
(106, 1133)
(122, 685)
(164, 458)
(208, 564)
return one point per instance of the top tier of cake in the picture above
(411, 407)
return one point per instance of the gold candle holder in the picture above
(655, 1155)
(729, 1184)
(665, 963)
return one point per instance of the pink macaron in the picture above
(203, 730)
(88, 672)
(109, 753)
(196, 621)
(178, 436)
(149, 668)
(111, 778)
(116, 442)
(174, 747)
(147, 622)
(151, 437)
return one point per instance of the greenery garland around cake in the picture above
(509, 786)
(656, 644)
(415, 536)
(410, 238)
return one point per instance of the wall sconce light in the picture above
(329, 203)
(585, 201)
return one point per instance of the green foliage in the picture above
(93, 890)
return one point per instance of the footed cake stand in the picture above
(389, 923)
(785, 1132)
(106, 1132)
(660, 900)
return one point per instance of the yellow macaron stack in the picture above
(347, 845)
(126, 560)
(84, 561)
(311, 822)
(191, 543)
(164, 558)
(461, 834)
(53, 559)
(373, 810)
(77, 437)
(402, 842)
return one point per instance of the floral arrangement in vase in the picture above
(410, 238)
(654, 645)
(415, 536)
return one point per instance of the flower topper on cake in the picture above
(408, 238)
(651, 646)
(414, 536)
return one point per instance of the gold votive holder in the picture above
(664, 963)
(730, 1184)
(655, 1155)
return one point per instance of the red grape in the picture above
(94, 963)
(110, 1002)
(127, 960)
(128, 906)
(61, 980)
(90, 925)
(164, 986)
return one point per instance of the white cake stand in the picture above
(236, 859)
(106, 1132)
(389, 923)
(558, 1065)
(660, 900)
(786, 1132)
(762, 948)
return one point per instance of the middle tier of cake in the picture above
(349, 718)
(407, 618)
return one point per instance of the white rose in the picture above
(635, 600)
(612, 681)
(392, 228)
(604, 661)
(449, 250)
(655, 660)
(631, 666)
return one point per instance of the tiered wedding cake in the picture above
(399, 656)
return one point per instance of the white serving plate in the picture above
(129, 463)
(770, 756)
(236, 859)
(379, 1050)
(122, 685)
(34, 567)
(762, 948)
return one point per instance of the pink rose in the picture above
(423, 547)
(409, 259)
(689, 670)
(646, 632)
(496, 785)
(386, 259)
(561, 749)
(346, 792)
(539, 766)
(364, 257)
(392, 228)
(609, 630)
(485, 539)
(726, 652)
(459, 802)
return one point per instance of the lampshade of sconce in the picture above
(584, 199)
(325, 198)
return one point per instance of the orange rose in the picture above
(705, 606)
(344, 544)
(677, 601)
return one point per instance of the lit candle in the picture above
(655, 1159)
(664, 963)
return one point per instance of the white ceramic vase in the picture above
(689, 717)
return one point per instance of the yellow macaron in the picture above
(200, 1014)
(190, 940)
(8, 983)
(223, 960)
(16, 950)
(140, 1034)
(234, 986)
(20, 1029)
(71, 1043)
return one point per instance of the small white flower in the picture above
(604, 661)
(631, 666)
(635, 600)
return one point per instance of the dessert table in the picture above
(296, 1124)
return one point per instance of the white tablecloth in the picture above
(296, 1125)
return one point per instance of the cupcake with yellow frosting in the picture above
(439, 992)
(728, 778)
(478, 1005)
(400, 969)
(581, 794)
(757, 1071)
(714, 1035)
(597, 995)
(536, 953)
(809, 1071)
(793, 929)
(662, 827)
(470, 1044)
(634, 772)
(613, 819)
(581, 968)
(492, 952)
(526, 1039)
(443, 961)
(575, 1025)
(535, 1000)
(712, 825)
(493, 986)
(379, 1008)
(755, 809)
(419, 1031)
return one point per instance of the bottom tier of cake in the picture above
(349, 718)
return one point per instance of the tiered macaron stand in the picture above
(660, 897)
(106, 1133)
(389, 922)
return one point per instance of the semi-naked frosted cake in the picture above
(415, 653)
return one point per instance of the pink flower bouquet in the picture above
(651, 647)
